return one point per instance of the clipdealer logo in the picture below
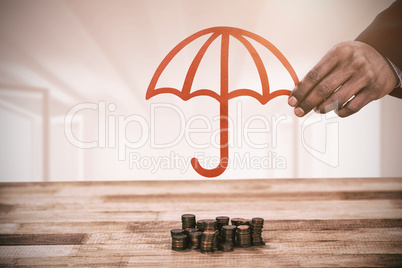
(112, 134)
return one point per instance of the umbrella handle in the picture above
(210, 173)
(224, 147)
(224, 111)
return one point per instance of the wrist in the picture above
(397, 73)
(397, 91)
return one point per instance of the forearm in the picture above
(385, 35)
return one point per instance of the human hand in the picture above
(361, 71)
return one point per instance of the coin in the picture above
(228, 234)
(243, 236)
(179, 242)
(229, 229)
(188, 221)
(200, 225)
(207, 241)
(257, 221)
(195, 239)
(222, 220)
(176, 232)
(209, 224)
(256, 231)
(235, 221)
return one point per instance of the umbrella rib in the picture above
(275, 51)
(258, 63)
(188, 82)
(152, 91)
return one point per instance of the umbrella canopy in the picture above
(223, 97)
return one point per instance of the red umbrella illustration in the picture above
(223, 98)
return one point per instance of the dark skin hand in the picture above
(363, 73)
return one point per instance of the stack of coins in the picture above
(221, 221)
(236, 221)
(243, 236)
(228, 234)
(200, 225)
(179, 242)
(207, 241)
(187, 221)
(209, 224)
(174, 232)
(215, 242)
(188, 231)
(177, 239)
(195, 240)
(256, 231)
(209, 235)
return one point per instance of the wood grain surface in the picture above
(352, 222)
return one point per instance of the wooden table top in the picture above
(308, 222)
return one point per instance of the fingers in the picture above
(353, 106)
(321, 70)
(337, 99)
(358, 67)
(323, 90)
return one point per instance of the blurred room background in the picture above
(74, 74)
